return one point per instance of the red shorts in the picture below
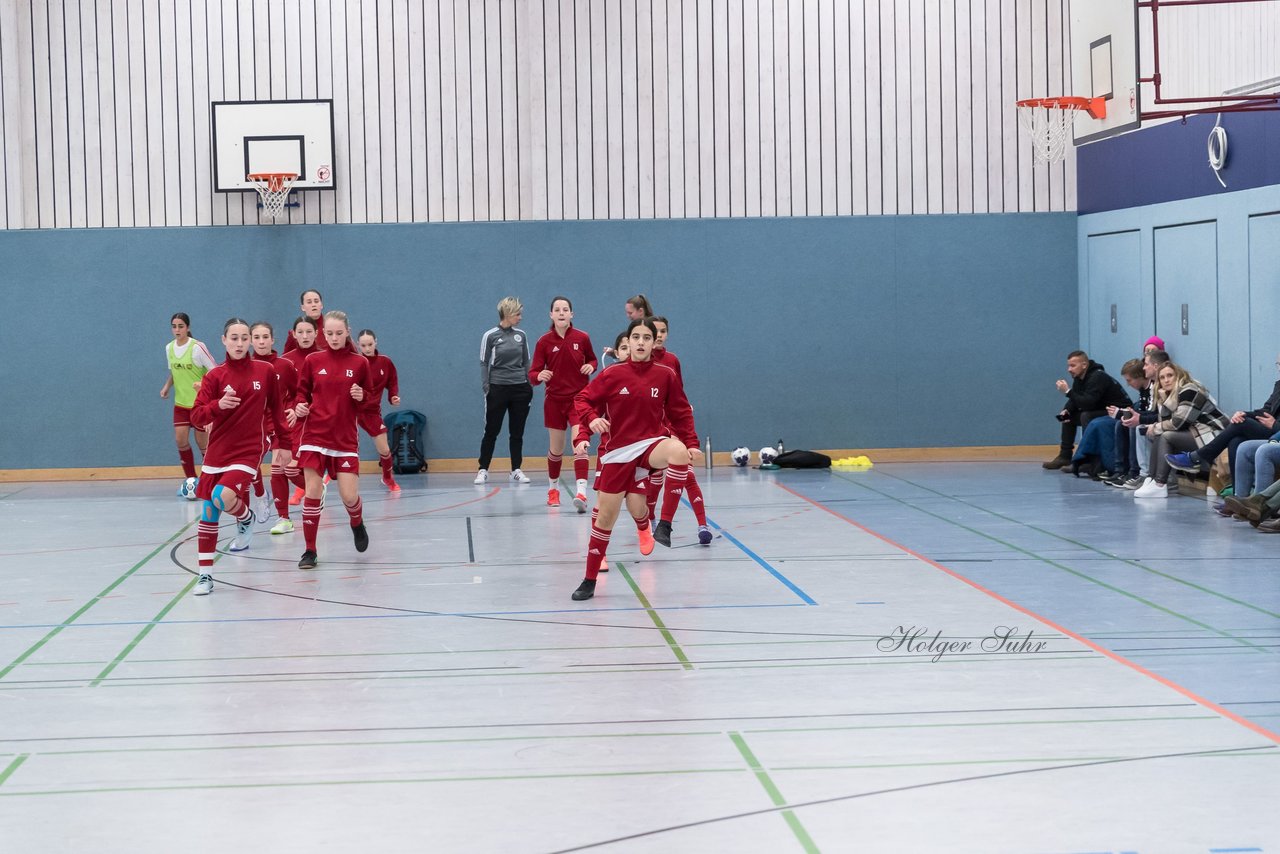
(626, 476)
(325, 464)
(182, 417)
(371, 423)
(234, 479)
(557, 411)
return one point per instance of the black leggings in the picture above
(500, 400)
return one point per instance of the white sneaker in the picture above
(204, 585)
(519, 476)
(482, 476)
(284, 526)
(1151, 489)
(244, 533)
(580, 502)
(262, 508)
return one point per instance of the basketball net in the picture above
(1050, 121)
(274, 188)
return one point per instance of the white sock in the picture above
(552, 484)
(582, 487)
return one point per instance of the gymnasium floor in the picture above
(442, 692)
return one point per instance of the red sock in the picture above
(385, 462)
(674, 488)
(580, 466)
(356, 512)
(694, 492)
(554, 461)
(294, 475)
(310, 521)
(641, 524)
(596, 548)
(280, 490)
(188, 462)
(257, 482)
(652, 488)
(206, 544)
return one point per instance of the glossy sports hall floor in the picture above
(1084, 673)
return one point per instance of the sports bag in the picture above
(407, 429)
(803, 460)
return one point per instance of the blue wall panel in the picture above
(827, 332)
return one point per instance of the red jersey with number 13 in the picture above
(325, 385)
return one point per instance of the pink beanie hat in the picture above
(1154, 339)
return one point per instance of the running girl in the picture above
(640, 404)
(237, 398)
(189, 360)
(333, 384)
(563, 359)
(663, 356)
(382, 375)
(303, 337)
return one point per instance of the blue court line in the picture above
(805, 597)
(396, 616)
(1231, 850)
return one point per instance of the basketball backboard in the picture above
(1104, 64)
(253, 137)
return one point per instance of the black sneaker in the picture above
(1116, 480)
(361, 537)
(308, 560)
(662, 533)
(585, 590)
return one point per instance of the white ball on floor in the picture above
(768, 455)
(189, 489)
(741, 456)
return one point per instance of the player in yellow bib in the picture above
(189, 360)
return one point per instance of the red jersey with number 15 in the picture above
(325, 386)
(640, 400)
(237, 439)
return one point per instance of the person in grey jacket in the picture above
(504, 378)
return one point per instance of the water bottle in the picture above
(781, 450)
(707, 454)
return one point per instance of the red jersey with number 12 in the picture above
(640, 400)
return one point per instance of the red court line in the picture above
(1119, 659)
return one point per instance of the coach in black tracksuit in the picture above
(504, 377)
(1088, 397)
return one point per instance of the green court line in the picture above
(802, 835)
(69, 620)
(1095, 550)
(374, 743)
(13, 766)
(657, 621)
(1053, 563)
(1273, 754)
(146, 630)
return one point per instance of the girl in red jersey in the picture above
(311, 304)
(331, 388)
(382, 373)
(563, 359)
(303, 338)
(237, 398)
(283, 468)
(636, 307)
(641, 404)
(189, 360)
(663, 356)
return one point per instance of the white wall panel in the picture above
(461, 110)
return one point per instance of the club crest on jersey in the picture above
(519, 339)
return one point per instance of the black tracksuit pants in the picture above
(501, 400)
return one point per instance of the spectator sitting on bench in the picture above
(1262, 510)
(1255, 424)
(1088, 397)
(1256, 463)
(1129, 464)
(1189, 418)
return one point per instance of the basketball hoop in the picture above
(1049, 122)
(274, 187)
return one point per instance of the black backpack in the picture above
(405, 429)
(803, 460)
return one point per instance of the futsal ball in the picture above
(741, 456)
(768, 455)
(188, 490)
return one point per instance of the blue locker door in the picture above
(1115, 279)
(1186, 267)
(1264, 304)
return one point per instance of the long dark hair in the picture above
(641, 302)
